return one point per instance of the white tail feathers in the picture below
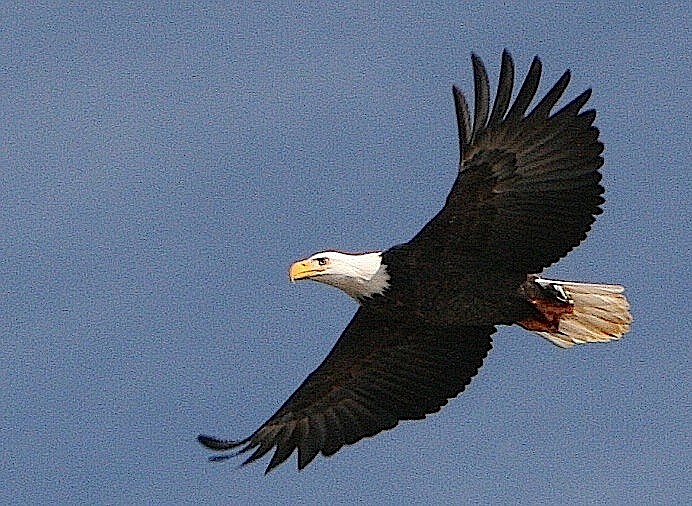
(600, 314)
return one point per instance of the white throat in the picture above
(361, 275)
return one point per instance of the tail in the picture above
(581, 313)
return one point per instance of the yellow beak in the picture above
(304, 269)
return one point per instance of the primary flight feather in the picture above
(526, 194)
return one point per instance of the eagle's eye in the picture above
(322, 261)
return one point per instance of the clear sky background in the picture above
(162, 165)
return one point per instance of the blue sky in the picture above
(162, 165)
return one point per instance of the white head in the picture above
(359, 275)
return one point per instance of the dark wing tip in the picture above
(218, 444)
(527, 91)
(583, 98)
(545, 106)
(574, 107)
(463, 119)
(481, 102)
(504, 89)
(220, 458)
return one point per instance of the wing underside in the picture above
(376, 375)
(528, 186)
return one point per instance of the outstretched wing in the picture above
(377, 374)
(528, 186)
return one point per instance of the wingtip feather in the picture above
(218, 444)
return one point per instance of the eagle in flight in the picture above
(526, 194)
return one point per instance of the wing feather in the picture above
(463, 119)
(504, 90)
(526, 92)
(542, 110)
(482, 97)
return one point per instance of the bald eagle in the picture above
(526, 194)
